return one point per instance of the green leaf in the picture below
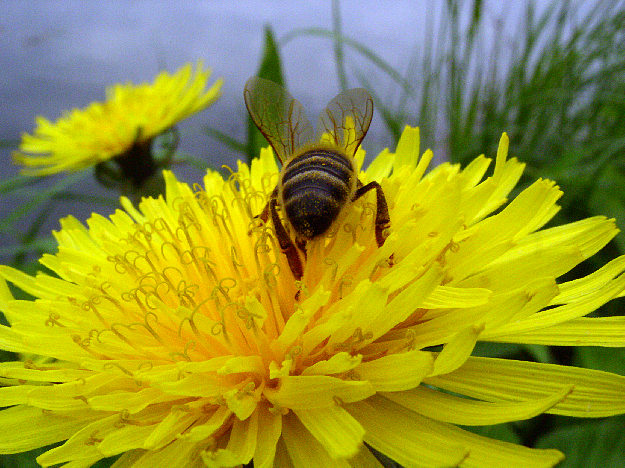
(270, 69)
(597, 443)
(22, 460)
(39, 198)
(338, 44)
(503, 432)
(46, 244)
(605, 359)
(487, 349)
(540, 353)
(271, 65)
(16, 182)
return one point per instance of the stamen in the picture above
(53, 319)
(185, 353)
(145, 257)
(334, 267)
(93, 440)
(338, 401)
(124, 419)
(90, 305)
(346, 281)
(116, 365)
(268, 181)
(235, 258)
(380, 264)
(161, 226)
(219, 328)
(270, 275)
(122, 266)
(352, 229)
(173, 246)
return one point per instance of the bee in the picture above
(318, 177)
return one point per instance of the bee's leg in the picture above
(286, 244)
(382, 218)
(301, 245)
(264, 215)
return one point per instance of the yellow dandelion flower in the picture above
(176, 334)
(120, 128)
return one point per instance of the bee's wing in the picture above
(346, 119)
(278, 116)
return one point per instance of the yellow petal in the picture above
(575, 290)
(585, 331)
(423, 164)
(242, 402)
(381, 166)
(337, 364)
(5, 294)
(41, 285)
(492, 193)
(456, 351)
(444, 297)
(371, 299)
(207, 429)
(241, 445)
(317, 391)
(365, 459)
(502, 154)
(299, 320)
(439, 326)
(588, 235)
(414, 440)
(133, 402)
(200, 385)
(396, 371)
(473, 173)
(303, 449)
(560, 314)
(468, 412)
(338, 432)
(283, 460)
(25, 428)
(124, 439)
(241, 364)
(167, 430)
(82, 443)
(406, 302)
(407, 152)
(25, 370)
(269, 430)
(178, 454)
(398, 434)
(595, 393)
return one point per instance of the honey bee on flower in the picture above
(318, 178)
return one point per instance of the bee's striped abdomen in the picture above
(315, 186)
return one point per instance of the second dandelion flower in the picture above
(116, 136)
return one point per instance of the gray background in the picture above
(61, 55)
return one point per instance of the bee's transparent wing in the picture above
(346, 119)
(278, 116)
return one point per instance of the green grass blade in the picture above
(338, 44)
(271, 69)
(38, 198)
(226, 139)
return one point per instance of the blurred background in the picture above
(550, 73)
